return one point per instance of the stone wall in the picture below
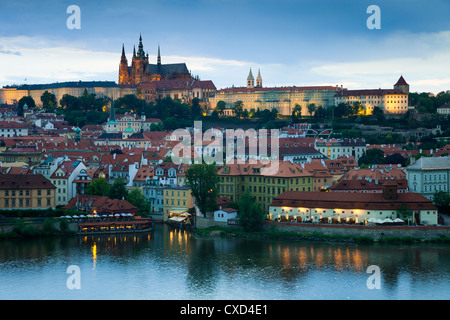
(373, 232)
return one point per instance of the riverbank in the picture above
(313, 233)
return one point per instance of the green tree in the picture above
(250, 214)
(297, 113)
(372, 156)
(220, 107)
(441, 199)
(48, 101)
(196, 109)
(203, 181)
(98, 187)
(238, 109)
(136, 198)
(118, 189)
(28, 100)
(311, 109)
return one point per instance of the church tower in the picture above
(402, 85)
(139, 64)
(259, 80)
(124, 76)
(250, 80)
(159, 57)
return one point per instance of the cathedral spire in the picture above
(123, 51)
(159, 56)
(112, 113)
(141, 52)
(134, 51)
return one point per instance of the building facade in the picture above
(236, 178)
(284, 99)
(335, 148)
(26, 191)
(429, 175)
(391, 101)
(335, 207)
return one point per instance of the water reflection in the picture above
(172, 264)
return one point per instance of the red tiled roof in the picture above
(401, 82)
(25, 181)
(345, 200)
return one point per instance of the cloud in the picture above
(17, 53)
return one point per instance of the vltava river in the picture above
(173, 265)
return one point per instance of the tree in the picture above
(297, 113)
(238, 109)
(196, 109)
(372, 156)
(118, 190)
(220, 107)
(48, 101)
(441, 200)
(311, 109)
(203, 181)
(136, 198)
(98, 187)
(28, 100)
(250, 214)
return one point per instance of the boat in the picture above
(136, 224)
(182, 220)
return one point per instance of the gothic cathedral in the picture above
(141, 71)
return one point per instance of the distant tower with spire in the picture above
(250, 80)
(112, 126)
(159, 57)
(402, 85)
(259, 80)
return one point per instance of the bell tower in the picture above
(124, 76)
(259, 80)
(250, 80)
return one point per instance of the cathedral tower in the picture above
(124, 76)
(259, 80)
(250, 80)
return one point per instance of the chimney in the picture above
(390, 191)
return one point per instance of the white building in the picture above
(63, 179)
(334, 148)
(13, 129)
(429, 175)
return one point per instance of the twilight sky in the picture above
(292, 42)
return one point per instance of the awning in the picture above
(178, 211)
(177, 219)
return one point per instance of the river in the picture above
(174, 265)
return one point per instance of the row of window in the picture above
(24, 202)
(25, 192)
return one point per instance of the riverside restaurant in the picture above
(353, 208)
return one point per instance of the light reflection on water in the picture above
(173, 264)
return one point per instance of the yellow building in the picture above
(284, 99)
(176, 200)
(12, 94)
(236, 178)
(391, 101)
(26, 191)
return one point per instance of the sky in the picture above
(291, 42)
